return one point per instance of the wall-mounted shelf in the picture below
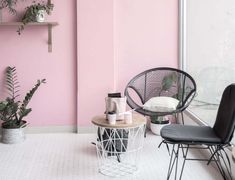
(48, 24)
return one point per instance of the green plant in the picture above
(12, 111)
(168, 81)
(31, 13)
(159, 119)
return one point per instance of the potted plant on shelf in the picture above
(35, 13)
(13, 111)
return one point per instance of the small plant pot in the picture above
(40, 16)
(158, 125)
(13, 136)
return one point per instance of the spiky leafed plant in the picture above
(12, 111)
(12, 83)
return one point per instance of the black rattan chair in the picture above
(213, 139)
(162, 81)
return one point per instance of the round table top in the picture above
(137, 120)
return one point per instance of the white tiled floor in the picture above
(72, 157)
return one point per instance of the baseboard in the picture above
(51, 129)
(59, 129)
(86, 130)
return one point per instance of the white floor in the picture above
(72, 157)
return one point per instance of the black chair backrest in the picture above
(162, 81)
(225, 120)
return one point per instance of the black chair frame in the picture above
(139, 84)
(217, 151)
(214, 139)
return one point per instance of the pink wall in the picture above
(146, 33)
(117, 40)
(55, 102)
(95, 56)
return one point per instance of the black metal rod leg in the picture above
(177, 160)
(219, 164)
(172, 162)
(184, 156)
(215, 160)
(227, 166)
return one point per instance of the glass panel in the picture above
(210, 52)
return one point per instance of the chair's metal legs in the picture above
(216, 160)
(174, 160)
(218, 155)
(177, 160)
(227, 164)
(184, 156)
(223, 166)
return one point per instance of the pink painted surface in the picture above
(117, 40)
(55, 102)
(95, 57)
(146, 36)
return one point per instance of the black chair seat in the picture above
(189, 134)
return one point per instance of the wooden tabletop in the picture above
(137, 120)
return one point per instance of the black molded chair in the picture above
(162, 81)
(214, 139)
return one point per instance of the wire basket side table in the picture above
(119, 146)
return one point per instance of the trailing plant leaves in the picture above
(9, 4)
(168, 81)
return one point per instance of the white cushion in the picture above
(161, 104)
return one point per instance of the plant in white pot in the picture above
(157, 123)
(13, 111)
(162, 104)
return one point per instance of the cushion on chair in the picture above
(161, 104)
(189, 134)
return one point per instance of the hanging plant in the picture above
(9, 4)
(32, 12)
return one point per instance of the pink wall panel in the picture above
(145, 36)
(117, 40)
(95, 56)
(55, 102)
